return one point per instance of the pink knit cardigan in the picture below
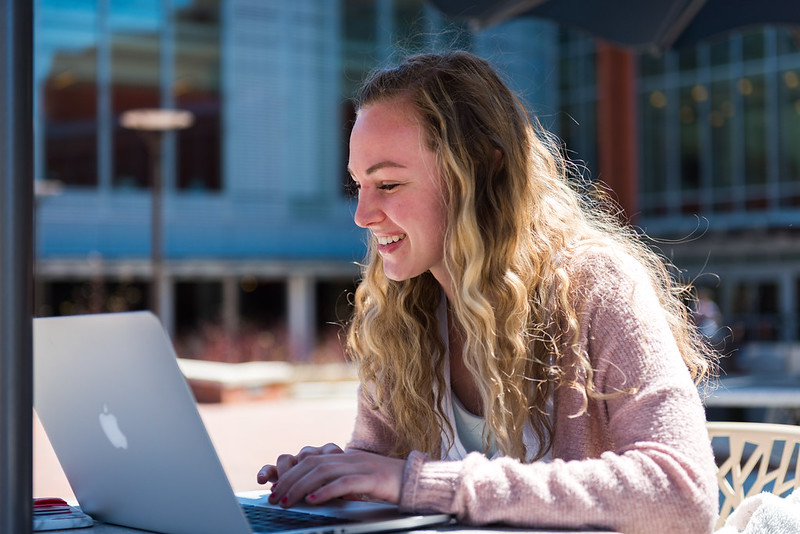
(639, 462)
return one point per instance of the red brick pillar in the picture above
(617, 126)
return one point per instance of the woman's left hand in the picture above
(322, 477)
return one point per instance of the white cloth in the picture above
(452, 446)
(470, 428)
(765, 513)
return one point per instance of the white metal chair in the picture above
(754, 457)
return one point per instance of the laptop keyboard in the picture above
(276, 520)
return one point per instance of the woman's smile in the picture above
(384, 241)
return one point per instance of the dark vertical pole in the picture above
(153, 140)
(16, 266)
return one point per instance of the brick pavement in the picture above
(245, 434)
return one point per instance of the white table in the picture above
(778, 394)
(762, 391)
(103, 528)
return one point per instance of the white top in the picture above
(470, 429)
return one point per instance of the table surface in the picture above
(104, 528)
(755, 391)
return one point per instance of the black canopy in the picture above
(638, 24)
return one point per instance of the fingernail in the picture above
(312, 496)
(284, 500)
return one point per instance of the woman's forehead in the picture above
(385, 128)
(398, 110)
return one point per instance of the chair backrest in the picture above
(754, 457)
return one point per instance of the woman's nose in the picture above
(368, 211)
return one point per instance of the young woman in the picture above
(524, 358)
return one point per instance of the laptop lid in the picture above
(125, 428)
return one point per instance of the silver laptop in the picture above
(128, 435)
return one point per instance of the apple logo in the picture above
(110, 426)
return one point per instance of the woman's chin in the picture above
(397, 275)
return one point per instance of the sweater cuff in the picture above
(429, 486)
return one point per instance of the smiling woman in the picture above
(523, 357)
(400, 196)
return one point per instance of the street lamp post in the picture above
(152, 124)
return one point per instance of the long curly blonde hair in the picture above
(515, 211)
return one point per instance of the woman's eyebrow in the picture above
(379, 166)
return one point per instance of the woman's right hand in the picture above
(318, 474)
(272, 473)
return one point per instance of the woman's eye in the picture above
(353, 188)
(387, 187)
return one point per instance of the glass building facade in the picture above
(95, 60)
(720, 173)
(721, 124)
(257, 221)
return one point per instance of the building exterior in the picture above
(720, 173)
(257, 225)
(252, 199)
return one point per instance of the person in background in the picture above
(706, 313)
(708, 318)
(524, 358)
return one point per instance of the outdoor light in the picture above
(156, 119)
(152, 123)
(46, 188)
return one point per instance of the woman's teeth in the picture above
(385, 240)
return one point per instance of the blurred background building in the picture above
(258, 231)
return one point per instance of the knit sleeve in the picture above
(372, 431)
(639, 461)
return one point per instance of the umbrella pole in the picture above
(16, 266)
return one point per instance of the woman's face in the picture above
(400, 195)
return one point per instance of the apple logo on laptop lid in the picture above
(110, 426)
